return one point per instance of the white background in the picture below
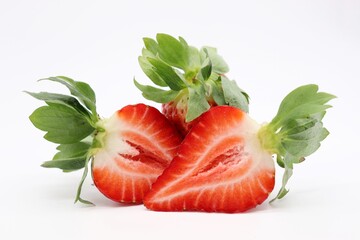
(271, 48)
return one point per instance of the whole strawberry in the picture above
(195, 80)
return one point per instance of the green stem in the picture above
(269, 139)
(78, 197)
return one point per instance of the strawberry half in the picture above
(128, 151)
(138, 144)
(194, 80)
(225, 162)
(220, 167)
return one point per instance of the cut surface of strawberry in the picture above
(138, 144)
(220, 167)
(127, 151)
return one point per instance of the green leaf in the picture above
(306, 142)
(297, 130)
(302, 101)
(66, 164)
(307, 94)
(63, 124)
(206, 69)
(151, 45)
(168, 74)
(216, 89)
(218, 63)
(183, 41)
(147, 53)
(288, 172)
(78, 193)
(80, 90)
(294, 126)
(172, 51)
(156, 94)
(301, 111)
(61, 99)
(280, 161)
(149, 70)
(194, 59)
(79, 149)
(233, 95)
(197, 103)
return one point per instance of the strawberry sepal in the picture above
(199, 74)
(71, 121)
(156, 94)
(78, 192)
(297, 130)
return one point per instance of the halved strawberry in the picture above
(220, 167)
(138, 144)
(225, 164)
(128, 150)
(195, 80)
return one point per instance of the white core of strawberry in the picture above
(249, 130)
(111, 142)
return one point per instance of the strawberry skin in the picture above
(220, 167)
(138, 143)
(176, 112)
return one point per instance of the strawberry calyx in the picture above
(179, 70)
(72, 122)
(297, 129)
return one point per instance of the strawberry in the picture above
(128, 151)
(225, 163)
(195, 80)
